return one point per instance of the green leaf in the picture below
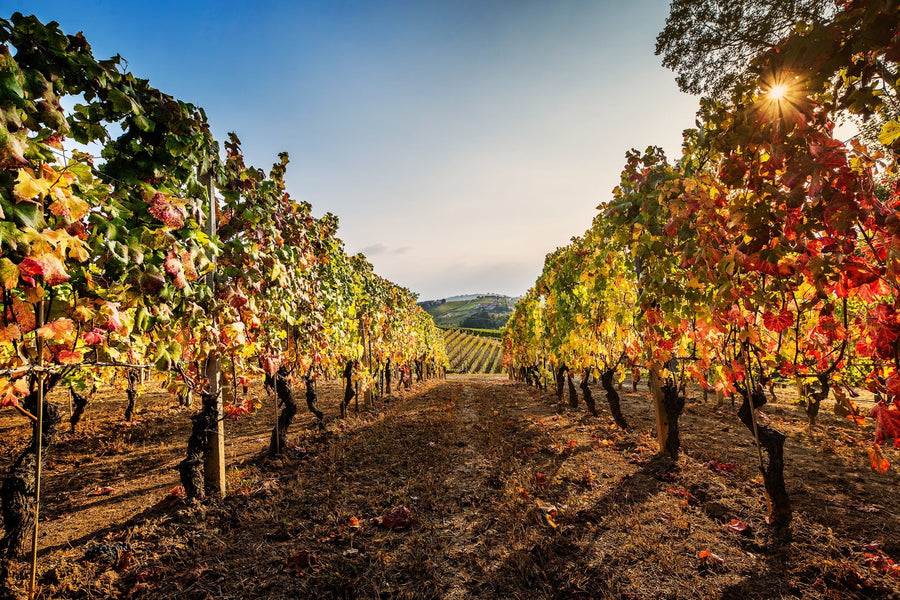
(120, 101)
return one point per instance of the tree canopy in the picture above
(709, 43)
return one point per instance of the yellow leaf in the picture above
(67, 205)
(27, 186)
(9, 274)
(84, 313)
(890, 131)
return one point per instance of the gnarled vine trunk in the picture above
(285, 399)
(79, 402)
(814, 399)
(573, 393)
(18, 490)
(387, 375)
(560, 382)
(772, 442)
(586, 392)
(612, 397)
(131, 392)
(312, 401)
(203, 426)
(349, 392)
(673, 402)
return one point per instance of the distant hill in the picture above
(478, 311)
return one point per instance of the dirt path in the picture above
(492, 494)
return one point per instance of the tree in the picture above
(709, 43)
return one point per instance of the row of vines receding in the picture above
(768, 250)
(165, 252)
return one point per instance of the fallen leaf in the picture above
(738, 527)
(709, 558)
(721, 467)
(689, 498)
(866, 508)
(397, 519)
(883, 564)
(300, 560)
(174, 497)
(103, 491)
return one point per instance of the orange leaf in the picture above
(11, 391)
(57, 330)
(540, 479)
(10, 333)
(711, 559)
(54, 271)
(68, 357)
(879, 462)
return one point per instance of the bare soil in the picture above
(489, 492)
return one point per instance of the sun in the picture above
(777, 92)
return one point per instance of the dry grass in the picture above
(508, 500)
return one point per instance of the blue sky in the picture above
(458, 142)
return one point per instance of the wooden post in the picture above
(662, 418)
(39, 435)
(370, 393)
(214, 467)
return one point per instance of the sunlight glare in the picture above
(778, 91)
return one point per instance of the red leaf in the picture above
(269, 365)
(163, 209)
(175, 269)
(721, 467)
(29, 269)
(887, 422)
(112, 322)
(397, 519)
(95, 336)
(738, 526)
(103, 491)
(689, 498)
(779, 322)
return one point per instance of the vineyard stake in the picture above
(38, 441)
(748, 382)
(275, 402)
(214, 466)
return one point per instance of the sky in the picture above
(457, 141)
